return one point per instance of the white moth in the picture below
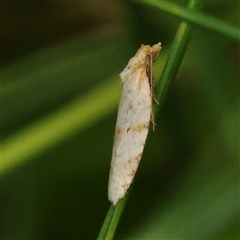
(134, 116)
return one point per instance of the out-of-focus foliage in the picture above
(57, 60)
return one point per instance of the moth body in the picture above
(134, 116)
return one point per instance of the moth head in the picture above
(145, 50)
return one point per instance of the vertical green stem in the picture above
(176, 55)
(171, 67)
(112, 219)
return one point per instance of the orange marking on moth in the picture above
(134, 116)
(140, 127)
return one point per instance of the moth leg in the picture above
(149, 63)
(155, 100)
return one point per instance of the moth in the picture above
(134, 116)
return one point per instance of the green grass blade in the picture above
(40, 82)
(175, 57)
(198, 18)
(60, 125)
(111, 221)
(106, 223)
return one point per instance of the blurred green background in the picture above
(60, 89)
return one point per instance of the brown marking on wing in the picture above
(138, 157)
(131, 162)
(117, 132)
(126, 186)
(141, 126)
(140, 72)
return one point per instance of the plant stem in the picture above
(175, 57)
(171, 67)
(196, 17)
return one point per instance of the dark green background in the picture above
(187, 185)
